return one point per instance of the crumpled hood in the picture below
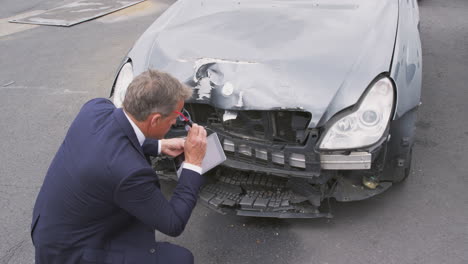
(277, 54)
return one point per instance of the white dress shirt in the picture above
(141, 139)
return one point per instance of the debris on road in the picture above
(8, 83)
(76, 12)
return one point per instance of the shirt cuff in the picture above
(192, 167)
(159, 147)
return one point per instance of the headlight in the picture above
(366, 124)
(124, 78)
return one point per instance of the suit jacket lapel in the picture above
(127, 128)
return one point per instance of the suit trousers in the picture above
(164, 252)
(168, 253)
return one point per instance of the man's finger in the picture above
(191, 133)
(180, 143)
(200, 136)
(192, 130)
(197, 129)
(200, 131)
(203, 132)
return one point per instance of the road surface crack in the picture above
(11, 252)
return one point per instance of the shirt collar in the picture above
(140, 136)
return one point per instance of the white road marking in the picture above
(7, 28)
(141, 9)
(20, 87)
(51, 91)
(66, 91)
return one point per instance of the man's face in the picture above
(160, 128)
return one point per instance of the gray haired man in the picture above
(101, 200)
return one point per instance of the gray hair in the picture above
(154, 92)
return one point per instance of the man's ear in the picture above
(155, 119)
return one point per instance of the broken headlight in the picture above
(124, 78)
(366, 124)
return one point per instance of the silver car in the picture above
(311, 100)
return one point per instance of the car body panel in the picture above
(276, 54)
(407, 62)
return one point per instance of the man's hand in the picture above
(172, 147)
(195, 145)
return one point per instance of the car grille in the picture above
(274, 141)
(277, 126)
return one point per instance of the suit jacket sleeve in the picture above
(139, 195)
(150, 147)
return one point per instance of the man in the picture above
(101, 201)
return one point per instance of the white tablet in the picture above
(213, 157)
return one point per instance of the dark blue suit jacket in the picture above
(101, 201)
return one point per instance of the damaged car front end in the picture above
(310, 101)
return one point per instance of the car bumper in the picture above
(250, 186)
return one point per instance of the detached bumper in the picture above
(261, 195)
(248, 186)
(253, 189)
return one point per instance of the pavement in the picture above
(47, 73)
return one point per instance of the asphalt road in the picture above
(47, 73)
